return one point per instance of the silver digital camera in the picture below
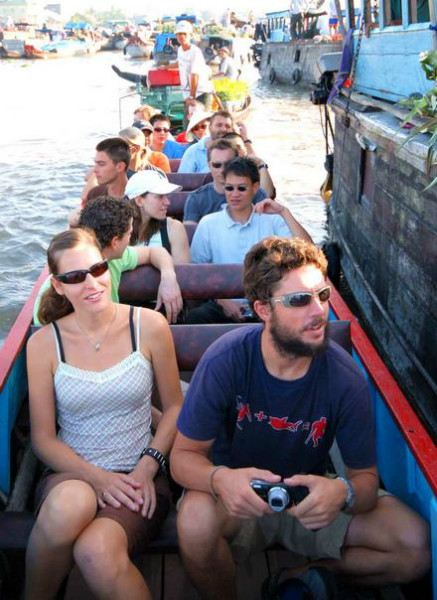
(278, 495)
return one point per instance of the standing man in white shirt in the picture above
(193, 71)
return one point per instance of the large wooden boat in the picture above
(288, 61)
(407, 458)
(382, 220)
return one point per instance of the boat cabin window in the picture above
(393, 12)
(418, 11)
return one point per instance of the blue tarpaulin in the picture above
(79, 25)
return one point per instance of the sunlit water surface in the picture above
(54, 112)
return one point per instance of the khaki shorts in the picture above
(283, 529)
(258, 534)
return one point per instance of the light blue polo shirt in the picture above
(194, 159)
(219, 239)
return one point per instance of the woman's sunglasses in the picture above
(80, 275)
(161, 129)
(201, 126)
(299, 299)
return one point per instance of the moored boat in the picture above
(382, 211)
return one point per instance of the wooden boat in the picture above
(135, 47)
(289, 61)
(407, 458)
(382, 220)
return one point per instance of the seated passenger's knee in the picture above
(68, 508)
(197, 517)
(95, 555)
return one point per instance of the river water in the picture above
(53, 113)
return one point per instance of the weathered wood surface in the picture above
(389, 251)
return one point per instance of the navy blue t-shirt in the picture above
(287, 427)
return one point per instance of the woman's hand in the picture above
(117, 489)
(145, 472)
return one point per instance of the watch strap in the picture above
(350, 496)
(158, 456)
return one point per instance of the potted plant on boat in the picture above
(424, 109)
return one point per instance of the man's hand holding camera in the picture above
(238, 498)
(325, 500)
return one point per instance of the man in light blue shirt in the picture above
(226, 236)
(195, 159)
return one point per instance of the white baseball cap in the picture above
(184, 27)
(197, 117)
(149, 181)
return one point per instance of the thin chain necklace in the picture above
(98, 342)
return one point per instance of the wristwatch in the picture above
(263, 165)
(158, 456)
(247, 141)
(350, 496)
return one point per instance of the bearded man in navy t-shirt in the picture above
(266, 402)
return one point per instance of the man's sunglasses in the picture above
(299, 299)
(219, 165)
(240, 188)
(80, 275)
(161, 129)
(201, 126)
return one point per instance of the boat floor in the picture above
(167, 579)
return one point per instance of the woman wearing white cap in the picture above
(148, 190)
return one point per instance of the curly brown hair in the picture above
(269, 260)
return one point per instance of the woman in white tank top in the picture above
(91, 374)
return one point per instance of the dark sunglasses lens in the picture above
(298, 300)
(99, 269)
(161, 130)
(200, 127)
(325, 294)
(73, 277)
(231, 188)
(217, 165)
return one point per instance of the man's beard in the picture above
(290, 345)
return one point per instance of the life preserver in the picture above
(295, 76)
(272, 75)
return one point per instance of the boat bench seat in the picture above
(191, 341)
(177, 204)
(197, 282)
(189, 181)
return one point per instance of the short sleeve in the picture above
(201, 246)
(191, 211)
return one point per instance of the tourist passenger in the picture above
(211, 197)
(160, 138)
(91, 373)
(245, 149)
(146, 128)
(266, 402)
(111, 163)
(144, 112)
(108, 177)
(111, 221)
(142, 157)
(197, 128)
(226, 236)
(149, 192)
(195, 159)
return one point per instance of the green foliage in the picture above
(425, 108)
(228, 90)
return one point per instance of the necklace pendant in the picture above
(97, 346)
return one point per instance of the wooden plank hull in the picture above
(384, 224)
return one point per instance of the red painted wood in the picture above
(17, 335)
(421, 445)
